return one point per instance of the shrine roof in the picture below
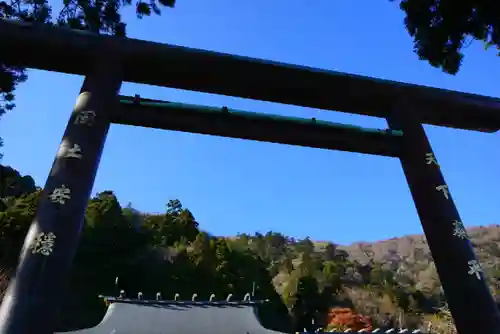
(129, 316)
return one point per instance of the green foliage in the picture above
(332, 273)
(15, 220)
(168, 253)
(380, 277)
(442, 28)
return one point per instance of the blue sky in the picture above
(243, 186)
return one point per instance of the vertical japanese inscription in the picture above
(74, 152)
(60, 195)
(459, 230)
(86, 117)
(444, 189)
(430, 159)
(475, 269)
(43, 244)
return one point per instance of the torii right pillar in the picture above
(469, 298)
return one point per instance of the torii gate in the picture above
(32, 298)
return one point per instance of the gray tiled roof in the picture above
(189, 318)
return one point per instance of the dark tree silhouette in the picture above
(441, 29)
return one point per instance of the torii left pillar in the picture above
(36, 291)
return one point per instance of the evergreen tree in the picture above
(441, 29)
(168, 253)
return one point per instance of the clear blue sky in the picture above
(242, 186)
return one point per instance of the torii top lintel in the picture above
(71, 51)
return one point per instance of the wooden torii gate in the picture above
(35, 293)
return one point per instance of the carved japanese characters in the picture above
(74, 152)
(444, 189)
(44, 244)
(430, 158)
(85, 118)
(475, 269)
(60, 195)
(459, 230)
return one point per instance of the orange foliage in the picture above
(346, 318)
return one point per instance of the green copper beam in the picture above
(175, 106)
(233, 123)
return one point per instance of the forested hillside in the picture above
(392, 282)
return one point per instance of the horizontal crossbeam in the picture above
(231, 123)
(72, 51)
